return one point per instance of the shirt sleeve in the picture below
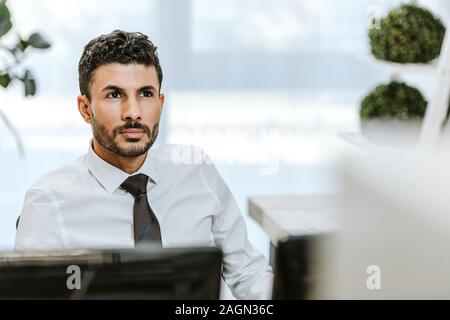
(245, 269)
(38, 228)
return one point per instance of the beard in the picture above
(130, 148)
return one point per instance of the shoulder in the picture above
(62, 176)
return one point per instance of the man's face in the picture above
(125, 108)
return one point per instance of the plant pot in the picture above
(391, 132)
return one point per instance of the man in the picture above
(122, 193)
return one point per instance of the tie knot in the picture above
(136, 185)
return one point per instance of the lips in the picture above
(133, 133)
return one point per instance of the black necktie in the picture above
(146, 225)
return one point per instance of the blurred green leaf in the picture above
(30, 87)
(29, 84)
(37, 41)
(22, 45)
(5, 19)
(5, 79)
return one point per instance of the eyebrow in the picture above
(111, 88)
(116, 88)
(150, 88)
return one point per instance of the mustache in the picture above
(132, 125)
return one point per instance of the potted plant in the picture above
(392, 113)
(408, 34)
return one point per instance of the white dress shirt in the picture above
(81, 206)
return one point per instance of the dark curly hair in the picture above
(118, 46)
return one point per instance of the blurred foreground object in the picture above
(141, 273)
(298, 266)
(395, 229)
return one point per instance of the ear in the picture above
(161, 100)
(84, 107)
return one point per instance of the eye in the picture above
(147, 94)
(113, 95)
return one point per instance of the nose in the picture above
(131, 111)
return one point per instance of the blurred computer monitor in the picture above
(144, 273)
(297, 266)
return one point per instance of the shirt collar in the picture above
(111, 177)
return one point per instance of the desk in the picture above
(283, 216)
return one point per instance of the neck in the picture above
(127, 164)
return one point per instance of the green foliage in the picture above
(38, 41)
(409, 34)
(5, 19)
(12, 57)
(393, 101)
(5, 79)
